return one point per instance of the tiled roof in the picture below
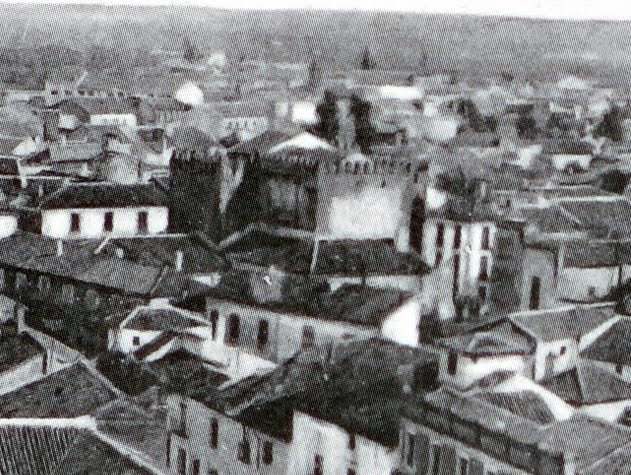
(261, 144)
(34, 450)
(500, 339)
(71, 392)
(613, 346)
(191, 138)
(32, 252)
(199, 255)
(588, 384)
(608, 216)
(353, 304)
(16, 349)
(341, 257)
(594, 254)
(156, 344)
(103, 195)
(526, 404)
(161, 319)
(558, 324)
(77, 152)
(550, 219)
(94, 106)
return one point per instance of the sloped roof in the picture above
(613, 346)
(594, 254)
(33, 252)
(526, 404)
(16, 349)
(551, 219)
(352, 304)
(191, 138)
(338, 257)
(97, 106)
(609, 215)
(500, 339)
(559, 324)
(71, 392)
(77, 152)
(199, 255)
(588, 384)
(103, 195)
(162, 319)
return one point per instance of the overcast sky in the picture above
(574, 9)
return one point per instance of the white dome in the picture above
(190, 94)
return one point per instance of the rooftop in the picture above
(74, 152)
(161, 319)
(613, 346)
(103, 195)
(36, 253)
(199, 255)
(71, 392)
(16, 349)
(594, 254)
(559, 324)
(588, 384)
(500, 339)
(356, 257)
(607, 216)
(353, 304)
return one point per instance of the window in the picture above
(486, 238)
(457, 236)
(43, 284)
(439, 257)
(410, 452)
(263, 334)
(351, 441)
(181, 462)
(214, 434)
(92, 299)
(456, 282)
(435, 459)
(136, 341)
(244, 451)
(109, 222)
(195, 470)
(308, 337)
(67, 293)
(484, 268)
(452, 362)
(21, 281)
(535, 290)
(268, 452)
(591, 291)
(168, 451)
(143, 222)
(234, 329)
(213, 471)
(440, 235)
(482, 293)
(318, 465)
(2, 279)
(214, 319)
(464, 466)
(351, 471)
(563, 350)
(75, 222)
(619, 368)
(182, 421)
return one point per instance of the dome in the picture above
(190, 94)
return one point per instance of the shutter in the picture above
(448, 461)
(422, 454)
(475, 467)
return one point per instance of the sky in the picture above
(565, 9)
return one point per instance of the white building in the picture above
(98, 210)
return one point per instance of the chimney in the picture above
(179, 260)
(51, 125)
(60, 248)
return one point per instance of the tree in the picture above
(367, 62)
(191, 52)
(329, 124)
(611, 125)
(364, 130)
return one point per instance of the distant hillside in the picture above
(471, 46)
